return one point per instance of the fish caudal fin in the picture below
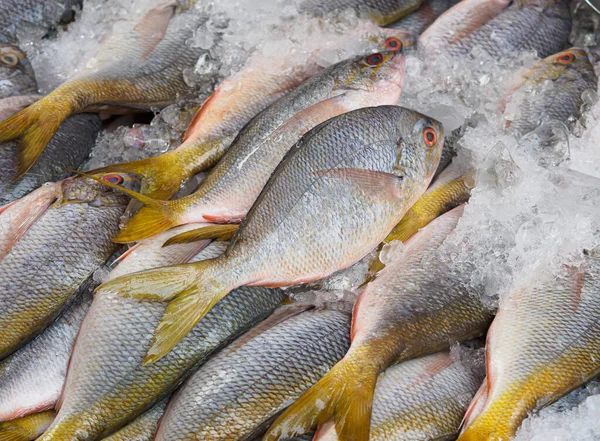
(217, 232)
(191, 290)
(344, 395)
(27, 428)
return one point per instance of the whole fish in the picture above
(265, 77)
(67, 149)
(27, 428)
(143, 428)
(542, 26)
(416, 22)
(32, 378)
(423, 399)
(141, 66)
(543, 343)
(266, 371)
(414, 307)
(553, 90)
(54, 257)
(24, 17)
(16, 74)
(382, 12)
(334, 197)
(233, 185)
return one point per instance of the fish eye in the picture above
(114, 179)
(374, 59)
(430, 136)
(393, 43)
(566, 58)
(9, 59)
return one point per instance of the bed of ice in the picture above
(531, 211)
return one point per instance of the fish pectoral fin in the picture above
(345, 395)
(153, 26)
(374, 183)
(217, 232)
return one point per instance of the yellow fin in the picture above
(217, 232)
(345, 395)
(27, 428)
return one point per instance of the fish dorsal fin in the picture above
(153, 26)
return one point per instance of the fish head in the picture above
(568, 65)
(420, 140)
(13, 62)
(379, 72)
(80, 189)
(391, 39)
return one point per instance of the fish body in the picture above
(143, 428)
(233, 185)
(416, 22)
(414, 307)
(553, 90)
(542, 344)
(382, 12)
(265, 373)
(67, 149)
(423, 399)
(16, 74)
(66, 244)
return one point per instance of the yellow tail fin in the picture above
(191, 289)
(27, 428)
(217, 232)
(345, 395)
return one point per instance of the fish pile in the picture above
(350, 220)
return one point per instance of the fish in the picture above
(552, 90)
(419, 20)
(56, 254)
(500, 29)
(265, 371)
(420, 399)
(66, 151)
(29, 17)
(382, 12)
(11, 105)
(335, 196)
(265, 78)
(451, 189)
(231, 188)
(542, 344)
(416, 306)
(140, 67)
(27, 428)
(16, 74)
(143, 428)
(32, 378)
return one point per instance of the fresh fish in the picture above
(552, 91)
(25, 17)
(11, 105)
(423, 399)
(265, 372)
(265, 78)
(16, 74)
(233, 185)
(382, 12)
(335, 196)
(416, 22)
(143, 428)
(54, 257)
(67, 149)
(416, 306)
(32, 378)
(108, 385)
(542, 26)
(140, 67)
(451, 189)
(27, 428)
(543, 343)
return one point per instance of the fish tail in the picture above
(344, 395)
(217, 232)
(191, 290)
(27, 428)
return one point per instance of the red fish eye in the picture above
(374, 59)
(566, 58)
(430, 136)
(114, 179)
(393, 43)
